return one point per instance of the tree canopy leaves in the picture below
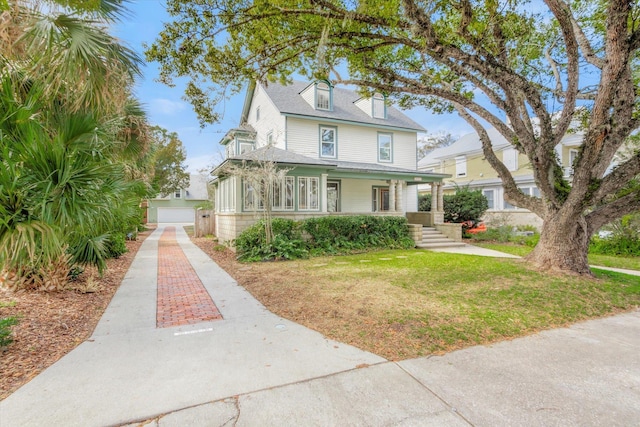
(534, 70)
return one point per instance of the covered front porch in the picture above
(315, 187)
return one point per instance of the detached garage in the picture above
(176, 215)
(179, 206)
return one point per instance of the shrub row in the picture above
(615, 245)
(319, 236)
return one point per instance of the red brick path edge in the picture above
(182, 299)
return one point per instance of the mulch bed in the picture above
(52, 324)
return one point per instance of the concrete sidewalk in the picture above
(468, 249)
(253, 368)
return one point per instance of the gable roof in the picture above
(467, 144)
(288, 101)
(470, 144)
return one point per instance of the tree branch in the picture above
(623, 173)
(585, 46)
(514, 195)
(615, 209)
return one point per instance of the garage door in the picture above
(176, 215)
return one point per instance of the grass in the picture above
(632, 263)
(403, 304)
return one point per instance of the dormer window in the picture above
(323, 96)
(379, 107)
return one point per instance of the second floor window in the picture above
(510, 159)
(328, 142)
(385, 147)
(461, 166)
(323, 96)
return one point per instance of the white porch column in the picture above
(434, 197)
(399, 196)
(440, 198)
(392, 195)
(323, 191)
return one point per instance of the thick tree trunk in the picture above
(563, 246)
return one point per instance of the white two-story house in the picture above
(345, 154)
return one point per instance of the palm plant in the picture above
(70, 143)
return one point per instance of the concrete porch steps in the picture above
(432, 239)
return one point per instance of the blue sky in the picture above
(166, 107)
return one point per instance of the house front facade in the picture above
(344, 154)
(465, 162)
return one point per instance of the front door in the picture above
(384, 199)
(333, 196)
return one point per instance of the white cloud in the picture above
(166, 106)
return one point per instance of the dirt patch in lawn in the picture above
(52, 324)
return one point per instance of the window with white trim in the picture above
(323, 96)
(490, 196)
(530, 191)
(244, 146)
(461, 166)
(573, 155)
(385, 147)
(510, 158)
(177, 194)
(252, 195)
(328, 142)
(270, 138)
(282, 196)
(226, 195)
(379, 110)
(308, 193)
(257, 113)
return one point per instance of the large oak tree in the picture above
(533, 70)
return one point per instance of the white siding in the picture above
(356, 194)
(410, 194)
(355, 143)
(309, 95)
(270, 120)
(364, 104)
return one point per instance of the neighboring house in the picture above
(465, 162)
(345, 154)
(179, 206)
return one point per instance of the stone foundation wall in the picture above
(230, 225)
(512, 217)
(415, 232)
(452, 231)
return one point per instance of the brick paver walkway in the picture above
(182, 299)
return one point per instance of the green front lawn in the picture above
(407, 303)
(631, 263)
